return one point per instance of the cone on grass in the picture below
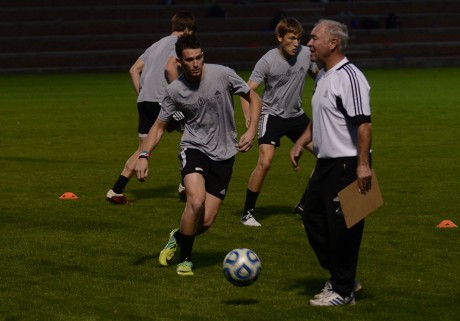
(446, 224)
(68, 196)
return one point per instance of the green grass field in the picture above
(85, 259)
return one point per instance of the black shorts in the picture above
(148, 112)
(217, 174)
(272, 128)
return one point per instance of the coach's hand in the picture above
(364, 177)
(296, 152)
(142, 169)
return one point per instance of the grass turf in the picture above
(85, 259)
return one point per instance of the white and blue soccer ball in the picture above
(242, 267)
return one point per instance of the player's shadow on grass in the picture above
(147, 259)
(263, 212)
(165, 191)
(243, 301)
(306, 286)
(207, 258)
(204, 258)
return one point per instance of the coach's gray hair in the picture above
(336, 30)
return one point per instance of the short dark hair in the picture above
(184, 20)
(187, 41)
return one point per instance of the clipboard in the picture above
(356, 206)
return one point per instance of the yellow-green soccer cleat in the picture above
(169, 251)
(185, 268)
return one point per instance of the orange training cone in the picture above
(446, 224)
(68, 196)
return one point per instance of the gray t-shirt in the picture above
(284, 81)
(153, 79)
(208, 109)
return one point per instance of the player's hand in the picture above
(142, 169)
(296, 152)
(245, 142)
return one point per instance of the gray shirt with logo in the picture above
(284, 81)
(208, 109)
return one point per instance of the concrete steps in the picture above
(78, 35)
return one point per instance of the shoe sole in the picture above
(188, 273)
(330, 305)
(117, 200)
(252, 225)
(314, 303)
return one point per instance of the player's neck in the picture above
(195, 79)
(284, 54)
(332, 61)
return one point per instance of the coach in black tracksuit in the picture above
(341, 133)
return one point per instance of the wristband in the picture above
(144, 154)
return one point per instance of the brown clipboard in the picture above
(355, 205)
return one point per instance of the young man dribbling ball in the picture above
(204, 94)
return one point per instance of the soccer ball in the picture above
(241, 267)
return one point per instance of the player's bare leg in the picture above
(256, 180)
(115, 195)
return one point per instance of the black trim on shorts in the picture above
(217, 174)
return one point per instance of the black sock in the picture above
(120, 184)
(186, 244)
(251, 199)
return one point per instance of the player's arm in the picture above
(363, 170)
(171, 69)
(153, 138)
(245, 105)
(304, 141)
(254, 105)
(135, 73)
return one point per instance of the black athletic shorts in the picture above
(217, 174)
(272, 128)
(148, 112)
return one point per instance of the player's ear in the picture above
(333, 43)
(178, 62)
(279, 38)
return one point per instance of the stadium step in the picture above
(78, 35)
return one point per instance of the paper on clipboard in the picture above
(356, 206)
